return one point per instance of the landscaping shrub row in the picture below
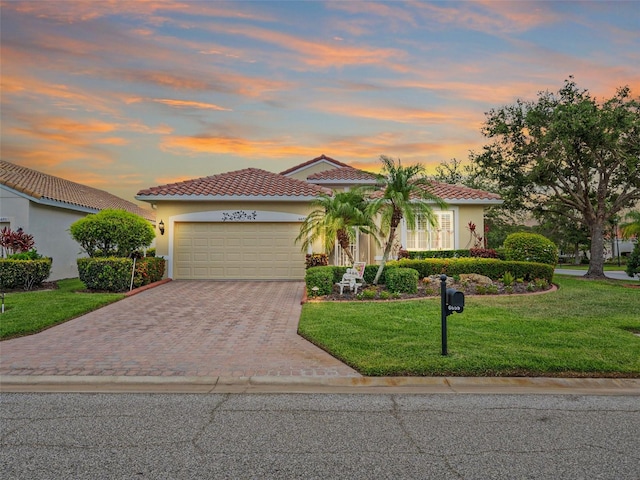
(324, 277)
(489, 267)
(17, 273)
(113, 274)
(418, 255)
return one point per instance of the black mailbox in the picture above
(455, 300)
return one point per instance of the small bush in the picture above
(148, 270)
(483, 253)
(151, 252)
(530, 247)
(30, 255)
(17, 273)
(367, 294)
(402, 280)
(317, 260)
(109, 274)
(508, 279)
(113, 274)
(320, 277)
(633, 263)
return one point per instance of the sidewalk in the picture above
(297, 384)
(615, 274)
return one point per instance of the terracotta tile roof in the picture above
(343, 174)
(457, 193)
(322, 157)
(250, 182)
(41, 186)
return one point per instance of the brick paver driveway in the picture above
(181, 328)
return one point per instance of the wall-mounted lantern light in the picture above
(161, 227)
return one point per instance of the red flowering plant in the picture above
(15, 241)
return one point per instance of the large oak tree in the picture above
(567, 148)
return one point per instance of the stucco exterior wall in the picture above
(49, 227)
(166, 211)
(14, 209)
(463, 214)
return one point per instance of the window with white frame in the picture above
(424, 236)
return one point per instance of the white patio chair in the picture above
(353, 278)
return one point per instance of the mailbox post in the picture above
(451, 300)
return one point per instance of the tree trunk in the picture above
(345, 243)
(385, 255)
(596, 262)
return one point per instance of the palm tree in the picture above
(403, 195)
(633, 226)
(336, 217)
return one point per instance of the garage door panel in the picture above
(237, 251)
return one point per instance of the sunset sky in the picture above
(125, 95)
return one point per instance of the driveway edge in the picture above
(350, 385)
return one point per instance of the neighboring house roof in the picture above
(58, 192)
(348, 175)
(247, 184)
(457, 194)
(332, 163)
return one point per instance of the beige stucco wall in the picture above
(463, 214)
(369, 251)
(166, 211)
(49, 227)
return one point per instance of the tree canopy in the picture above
(403, 194)
(116, 233)
(336, 217)
(569, 153)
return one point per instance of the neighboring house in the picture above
(45, 206)
(242, 224)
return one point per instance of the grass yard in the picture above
(586, 328)
(31, 312)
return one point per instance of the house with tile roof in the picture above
(242, 224)
(45, 206)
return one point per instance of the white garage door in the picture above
(237, 251)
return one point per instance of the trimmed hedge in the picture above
(488, 267)
(25, 274)
(402, 280)
(320, 277)
(148, 270)
(113, 274)
(417, 255)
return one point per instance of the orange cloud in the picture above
(190, 104)
(218, 144)
(321, 54)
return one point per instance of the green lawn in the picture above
(30, 312)
(584, 329)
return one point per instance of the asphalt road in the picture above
(365, 436)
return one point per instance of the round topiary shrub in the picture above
(530, 247)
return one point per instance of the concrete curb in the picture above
(146, 287)
(350, 385)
